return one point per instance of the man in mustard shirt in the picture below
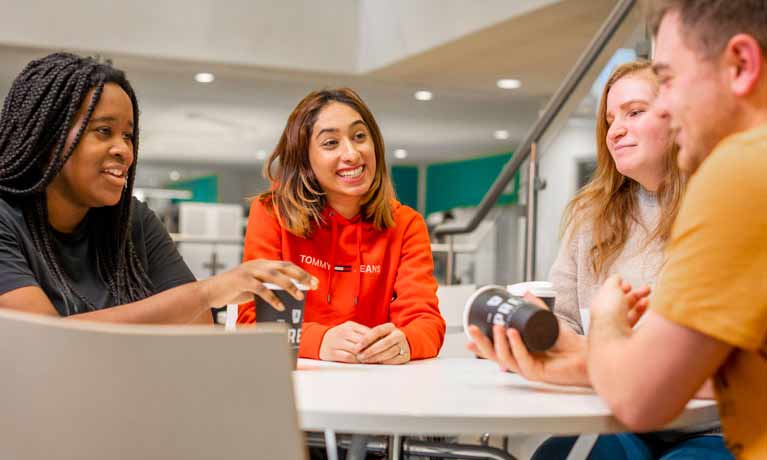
(709, 311)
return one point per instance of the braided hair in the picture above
(38, 113)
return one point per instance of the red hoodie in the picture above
(367, 276)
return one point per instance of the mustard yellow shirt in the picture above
(715, 280)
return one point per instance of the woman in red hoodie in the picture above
(331, 210)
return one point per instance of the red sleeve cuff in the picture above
(424, 340)
(311, 340)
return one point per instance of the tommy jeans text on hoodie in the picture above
(366, 275)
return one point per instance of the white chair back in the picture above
(451, 303)
(81, 391)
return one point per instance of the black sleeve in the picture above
(166, 267)
(15, 271)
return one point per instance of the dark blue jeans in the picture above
(629, 446)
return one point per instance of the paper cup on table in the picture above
(544, 290)
(292, 316)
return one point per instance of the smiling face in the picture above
(693, 92)
(342, 155)
(638, 138)
(96, 173)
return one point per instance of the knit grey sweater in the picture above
(639, 262)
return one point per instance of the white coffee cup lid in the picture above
(537, 288)
(274, 287)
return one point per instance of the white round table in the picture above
(447, 396)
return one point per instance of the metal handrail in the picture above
(553, 108)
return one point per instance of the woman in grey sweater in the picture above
(618, 223)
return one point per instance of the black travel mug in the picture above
(292, 316)
(493, 305)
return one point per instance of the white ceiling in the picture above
(244, 110)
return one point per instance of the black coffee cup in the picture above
(544, 290)
(493, 305)
(292, 316)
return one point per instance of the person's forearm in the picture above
(204, 317)
(625, 369)
(612, 368)
(576, 360)
(180, 305)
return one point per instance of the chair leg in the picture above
(330, 445)
(358, 448)
(394, 452)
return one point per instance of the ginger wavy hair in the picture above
(295, 194)
(609, 200)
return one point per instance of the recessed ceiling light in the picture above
(501, 134)
(204, 77)
(174, 175)
(261, 155)
(508, 83)
(423, 95)
(400, 154)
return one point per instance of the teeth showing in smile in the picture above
(114, 172)
(351, 172)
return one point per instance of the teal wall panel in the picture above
(405, 179)
(204, 189)
(464, 183)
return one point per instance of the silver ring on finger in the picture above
(401, 350)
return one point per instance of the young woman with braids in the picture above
(73, 241)
(618, 223)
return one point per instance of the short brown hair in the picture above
(712, 23)
(295, 194)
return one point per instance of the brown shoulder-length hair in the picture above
(609, 200)
(295, 194)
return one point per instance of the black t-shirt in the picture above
(22, 265)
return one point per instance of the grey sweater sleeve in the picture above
(564, 275)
